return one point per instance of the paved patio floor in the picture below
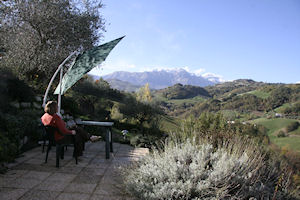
(93, 178)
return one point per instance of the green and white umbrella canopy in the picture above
(84, 63)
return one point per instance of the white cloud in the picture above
(159, 68)
(298, 82)
(213, 77)
(109, 67)
(199, 72)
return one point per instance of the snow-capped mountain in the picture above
(159, 79)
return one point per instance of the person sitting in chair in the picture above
(62, 136)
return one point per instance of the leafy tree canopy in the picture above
(37, 35)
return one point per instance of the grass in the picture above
(258, 93)
(187, 101)
(281, 108)
(274, 125)
(177, 102)
(169, 124)
(230, 114)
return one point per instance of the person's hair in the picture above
(51, 107)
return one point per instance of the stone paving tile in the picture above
(81, 163)
(39, 195)
(23, 183)
(99, 165)
(73, 196)
(94, 179)
(100, 160)
(93, 171)
(11, 193)
(13, 173)
(70, 169)
(61, 177)
(95, 148)
(116, 198)
(36, 175)
(107, 189)
(52, 163)
(101, 155)
(88, 155)
(35, 161)
(43, 167)
(5, 180)
(55, 186)
(80, 188)
(96, 197)
(42, 156)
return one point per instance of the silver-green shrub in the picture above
(197, 170)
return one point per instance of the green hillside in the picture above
(179, 91)
(292, 141)
(122, 85)
(259, 93)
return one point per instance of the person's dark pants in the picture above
(80, 138)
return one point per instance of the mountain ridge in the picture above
(159, 79)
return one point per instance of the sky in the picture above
(232, 39)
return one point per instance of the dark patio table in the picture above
(108, 134)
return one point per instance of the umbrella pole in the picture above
(59, 95)
(53, 77)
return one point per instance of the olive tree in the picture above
(37, 35)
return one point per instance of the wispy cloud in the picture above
(213, 77)
(110, 67)
(168, 39)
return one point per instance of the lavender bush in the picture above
(236, 169)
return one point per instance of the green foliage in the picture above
(281, 133)
(242, 96)
(13, 89)
(91, 98)
(235, 87)
(273, 126)
(123, 85)
(179, 91)
(259, 93)
(217, 128)
(15, 123)
(38, 35)
(19, 90)
(141, 141)
(293, 110)
(95, 100)
(292, 126)
(144, 94)
(278, 97)
(8, 147)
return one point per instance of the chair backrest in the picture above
(50, 131)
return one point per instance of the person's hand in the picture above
(73, 132)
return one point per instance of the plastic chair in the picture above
(50, 131)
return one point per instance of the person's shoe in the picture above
(95, 138)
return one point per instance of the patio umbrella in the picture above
(84, 63)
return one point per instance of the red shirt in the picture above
(57, 122)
